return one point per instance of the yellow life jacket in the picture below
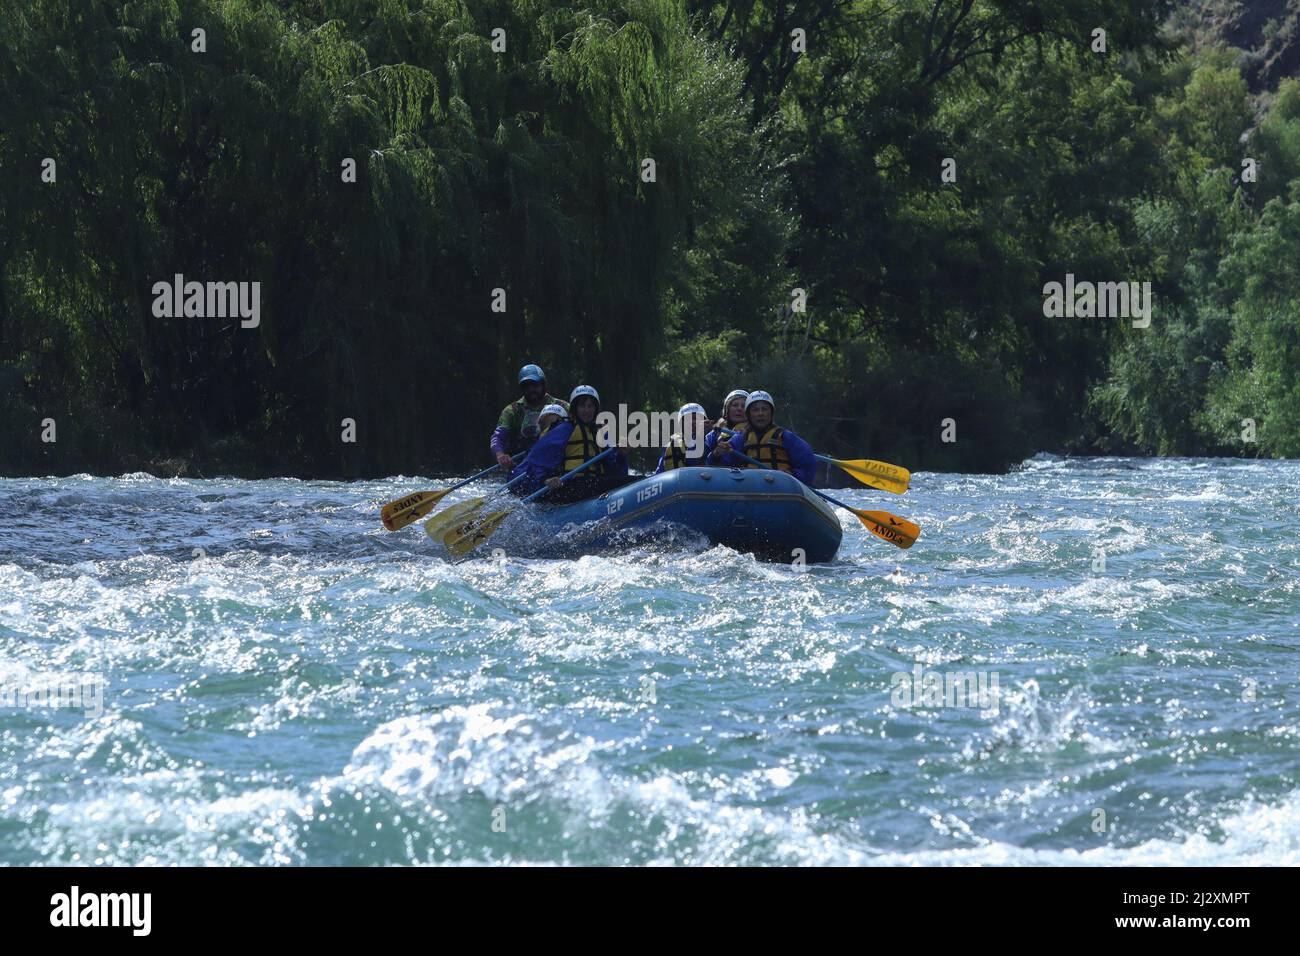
(582, 447)
(767, 448)
(675, 454)
(719, 432)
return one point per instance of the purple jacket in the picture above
(547, 459)
(803, 462)
(517, 425)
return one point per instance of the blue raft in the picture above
(768, 513)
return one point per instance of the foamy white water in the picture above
(281, 681)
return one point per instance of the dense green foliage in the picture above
(776, 168)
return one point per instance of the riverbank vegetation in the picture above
(919, 169)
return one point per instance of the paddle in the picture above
(873, 474)
(897, 531)
(403, 511)
(469, 535)
(462, 511)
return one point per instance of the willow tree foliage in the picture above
(916, 169)
(478, 170)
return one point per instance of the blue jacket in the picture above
(692, 461)
(711, 442)
(803, 461)
(546, 459)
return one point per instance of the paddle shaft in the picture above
(416, 506)
(729, 432)
(754, 461)
(542, 490)
(883, 476)
(484, 473)
(509, 484)
(474, 533)
(833, 501)
(569, 474)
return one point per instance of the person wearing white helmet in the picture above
(551, 416)
(733, 409)
(567, 444)
(769, 443)
(517, 429)
(716, 445)
(686, 447)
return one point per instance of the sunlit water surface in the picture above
(284, 682)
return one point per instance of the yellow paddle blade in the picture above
(398, 514)
(465, 537)
(877, 474)
(458, 513)
(897, 531)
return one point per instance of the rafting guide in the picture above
(519, 424)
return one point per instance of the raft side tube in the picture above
(768, 513)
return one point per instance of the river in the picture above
(254, 672)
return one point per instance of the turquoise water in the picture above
(281, 681)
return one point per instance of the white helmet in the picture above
(554, 410)
(582, 390)
(734, 393)
(759, 396)
(691, 408)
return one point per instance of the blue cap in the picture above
(531, 373)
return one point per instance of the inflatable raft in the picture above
(768, 513)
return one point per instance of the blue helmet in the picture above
(531, 373)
